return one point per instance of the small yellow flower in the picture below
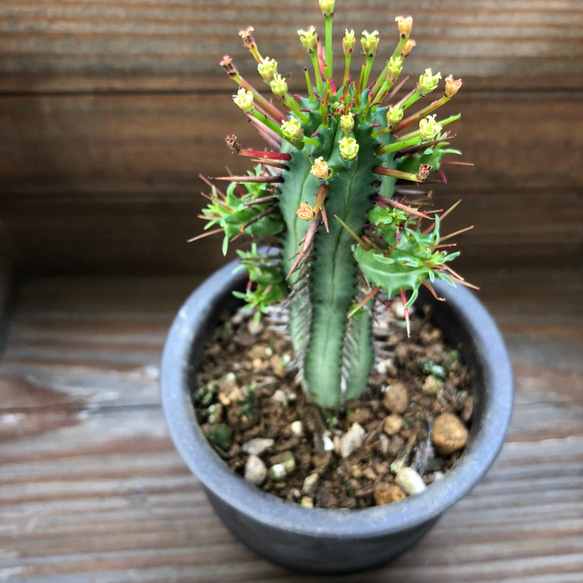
(405, 25)
(347, 122)
(320, 169)
(278, 86)
(428, 82)
(429, 129)
(452, 86)
(327, 7)
(292, 129)
(395, 66)
(348, 41)
(244, 99)
(394, 115)
(370, 42)
(348, 148)
(267, 68)
(305, 212)
(309, 39)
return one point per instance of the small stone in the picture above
(360, 416)
(280, 397)
(449, 434)
(257, 351)
(398, 308)
(307, 502)
(310, 484)
(392, 424)
(321, 461)
(384, 443)
(396, 445)
(369, 474)
(396, 399)
(258, 445)
(352, 440)
(328, 443)
(297, 428)
(410, 481)
(355, 472)
(289, 464)
(277, 472)
(215, 413)
(386, 493)
(255, 470)
(432, 385)
(254, 327)
(276, 366)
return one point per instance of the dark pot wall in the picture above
(321, 540)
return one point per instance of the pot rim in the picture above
(484, 445)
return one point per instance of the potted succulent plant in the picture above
(328, 189)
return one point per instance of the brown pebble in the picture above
(369, 474)
(360, 416)
(396, 445)
(392, 424)
(449, 434)
(386, 493)
(321, 461)
(276, 366)
(396, 399)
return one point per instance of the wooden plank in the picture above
(94, 144)
(120, 235)
(484, 37)
(91, 487)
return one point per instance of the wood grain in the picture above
(109, 111)
(91, 488)
(508, 37)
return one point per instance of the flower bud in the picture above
(452, 86)
(348, 42)
(428, 82)
(347, 123)
(348, 148)
(394, 115)
(279, 86)
(409, 45)
(327, 7)
(292, 129)
(305, 212)
(267, 68)
(320, 169)
(405, 25)
(244, 99)
(309, 39)
(370, 42)
(429, 129)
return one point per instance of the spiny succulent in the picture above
(329, 188)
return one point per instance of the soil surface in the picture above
(405, 433)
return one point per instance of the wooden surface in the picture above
(110, 109)
(92, 490)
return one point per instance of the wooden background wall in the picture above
(109, 109)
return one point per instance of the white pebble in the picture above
(328, 443)
(310, 483)
(277, 472)
(255, 470)
(280, 397)
(258, 445)
(297, 428)
(410, 481)
(352, 440)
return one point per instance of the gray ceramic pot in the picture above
(321, 540)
